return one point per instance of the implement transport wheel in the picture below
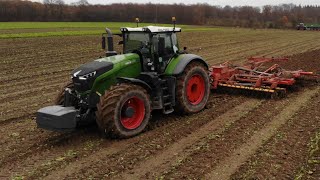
(60, 97)
(193, 89)
(123, 111)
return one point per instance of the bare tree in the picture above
(83, 3)
(54, 7)
(281, 16)
(58, 2)
(80, 3)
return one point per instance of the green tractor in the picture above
(119, 91)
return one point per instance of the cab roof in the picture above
(152, 29)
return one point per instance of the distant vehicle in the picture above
(312, 27)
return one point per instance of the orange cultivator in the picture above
(253, 76)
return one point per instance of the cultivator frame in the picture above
(253, 76)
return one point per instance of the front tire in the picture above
(193, 89)
(123, 111)
(59, 100)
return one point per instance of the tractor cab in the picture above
(155, 45)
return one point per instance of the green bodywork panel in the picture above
(173, 64)
(178, 63)
(126, 65)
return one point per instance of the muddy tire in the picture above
(123, 111)
(193, 89)
(60, 96)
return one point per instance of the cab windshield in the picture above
(135, 41)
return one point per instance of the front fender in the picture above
(178, 64)
(135, 81)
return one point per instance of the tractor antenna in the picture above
(137, 21)
(174, 22)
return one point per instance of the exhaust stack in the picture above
(110, 51)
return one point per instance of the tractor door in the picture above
(139, 42)
(167, 47)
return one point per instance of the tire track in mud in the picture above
(242, 57)
(293, 49)
(38, 45)
(292, 146)
(230, 164)
(22, 127)
(284, 49)
(232, 42)
(236, 54)
(50, 150)
(252, 43)
(29, 93)
(22, 138)
(44, 65)
(252, 36)
(38, 75)
(35, 59)
(198, 159)
(28, 136)
(45, 69)
(117, 154)
(262, 51)
(31, 83)
(48, 56)
(10, 112)
(217, 124)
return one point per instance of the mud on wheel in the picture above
(193, 89)
(123, 111)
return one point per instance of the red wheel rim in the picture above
(138, 115)
(195, 89)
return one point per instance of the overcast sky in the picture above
(211, 2)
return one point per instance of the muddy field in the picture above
(235, 137)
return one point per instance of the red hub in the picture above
(132, 113)
(195, 89)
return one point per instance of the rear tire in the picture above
(59, 100)
(193, 89)
(123, 111)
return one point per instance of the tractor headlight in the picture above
(87, 76)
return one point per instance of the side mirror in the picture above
(103, 43)
(155, 44)
(184, 51)
(120, 42)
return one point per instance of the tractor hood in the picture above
(84, 76)
(94, 68)
(100, 66)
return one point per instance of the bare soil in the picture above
(238, 136)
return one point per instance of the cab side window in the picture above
(175, 42)
(165, 44)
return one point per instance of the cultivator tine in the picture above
(282, 93)
(306, 80)
(261, 93)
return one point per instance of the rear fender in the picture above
(178, 64)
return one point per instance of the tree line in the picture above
(281, 16)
